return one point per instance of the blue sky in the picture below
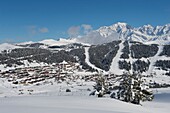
(24, 20)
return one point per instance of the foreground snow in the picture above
(82, 104)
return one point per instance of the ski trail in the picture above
(88, 61)
(154, 59)
(114, 67)
(130, 58)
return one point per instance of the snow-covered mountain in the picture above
(7, 46)
(59, 42)
(144, 34)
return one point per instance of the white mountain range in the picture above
(146, 34)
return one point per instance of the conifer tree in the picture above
(101, 87)
(133, 89)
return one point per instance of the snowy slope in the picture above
(61, 41)
(6, 46)
(114, 67)
(54, 99)
(154, 59)
(82, 104)
(24, 43)
(25, 64)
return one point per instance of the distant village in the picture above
(34, 75)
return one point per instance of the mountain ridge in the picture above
(146, 34)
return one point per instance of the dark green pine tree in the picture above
(133, 89)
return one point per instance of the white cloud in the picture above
(94, 37)
(86, 28)
(35, 30)
(83, 29)
(73, 31)
(43, 30)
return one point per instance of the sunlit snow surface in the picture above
(7, 47)
(80, 104)
(54, 99)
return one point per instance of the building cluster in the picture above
(35, 75)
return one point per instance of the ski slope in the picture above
(154, 59)
(114, 67)
(88, 61)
